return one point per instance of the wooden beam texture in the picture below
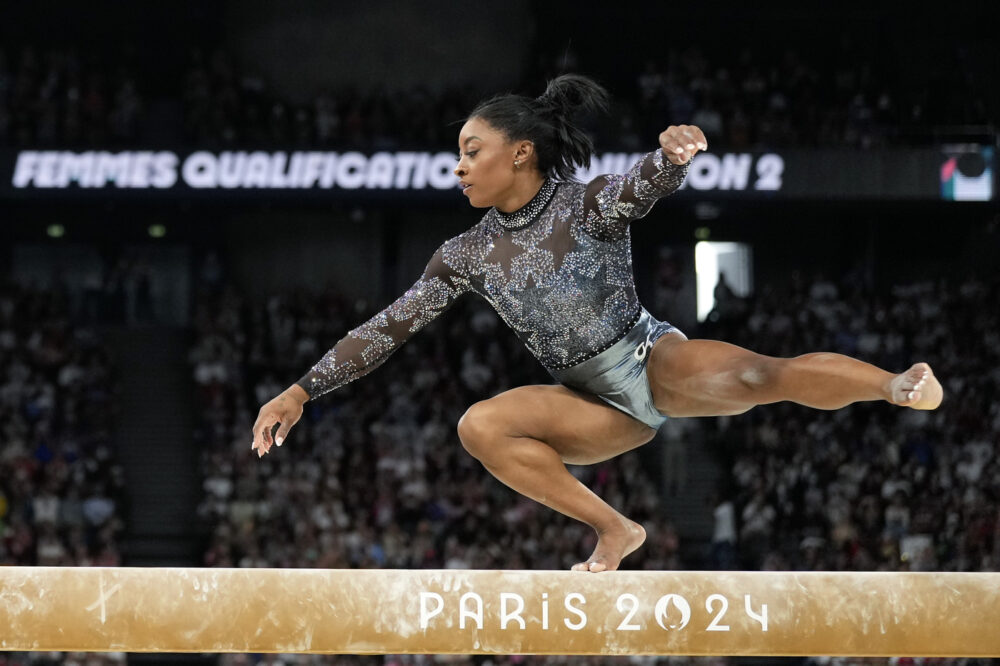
(500, 612)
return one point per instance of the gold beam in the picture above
(501, 612)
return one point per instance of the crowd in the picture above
(870, 487)
(747, 98)
(742, 96)
(374, 475)
(65, 98)
(225, 105)
(61, 490)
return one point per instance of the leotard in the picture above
(558, 271)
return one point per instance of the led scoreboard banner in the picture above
(947, 172)
(310, 170)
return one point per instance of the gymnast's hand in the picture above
(681, 142)
(285, 409)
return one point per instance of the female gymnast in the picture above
(553, 257)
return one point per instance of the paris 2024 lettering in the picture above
(671, 612)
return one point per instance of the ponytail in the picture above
(547, 121)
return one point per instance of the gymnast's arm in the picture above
(364, 348)
(612, 201)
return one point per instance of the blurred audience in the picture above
(374, 474)
(742, 96)
(63, 659)
(843, 97)
(872, 487)
(60, 486)
(66, 98)
(61, 490)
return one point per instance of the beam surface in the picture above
(500, 612)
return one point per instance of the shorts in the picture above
(618, 374)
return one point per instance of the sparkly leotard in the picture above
(558, 271)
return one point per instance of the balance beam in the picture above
(499, 612)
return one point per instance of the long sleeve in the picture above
(367, 346)
(612, 201)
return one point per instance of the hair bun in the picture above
(547, 121)
(570, 94)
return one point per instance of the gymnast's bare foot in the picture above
(612, 547)
(917, 388)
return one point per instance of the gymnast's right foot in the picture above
(917, 388)
(613, 546)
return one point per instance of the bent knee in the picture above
(477, 428)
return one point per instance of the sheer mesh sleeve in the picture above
(367, 346)
(612, 201)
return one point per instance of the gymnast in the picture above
(553, 257)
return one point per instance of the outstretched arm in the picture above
(612, 201)
(364, 348)
(367, 346)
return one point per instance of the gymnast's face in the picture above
(485, 167)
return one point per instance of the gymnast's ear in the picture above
(524, 153)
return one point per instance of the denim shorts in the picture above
(618, 374)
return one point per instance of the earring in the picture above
(517, 164)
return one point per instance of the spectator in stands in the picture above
(877, 491)
(411, 500)
(757, 100)
(60, 488)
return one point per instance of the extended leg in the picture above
(707, 378)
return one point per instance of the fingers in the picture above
(262, 432)
(699, 137)
(918, 388)
(681, 142)
(282, 432)
(266, 420)
(277, 412)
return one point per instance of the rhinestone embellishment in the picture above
(529, 212)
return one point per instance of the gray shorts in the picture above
(618, 374)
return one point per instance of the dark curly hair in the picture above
(547, 121)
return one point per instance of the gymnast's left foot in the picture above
(612, 547)
(917, 388)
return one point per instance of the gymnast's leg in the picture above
(711, 378)
(525, 435)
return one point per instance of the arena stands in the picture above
(62, 499)
(869, 487)
(742, 96)
(374, 475)
(866, 487)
